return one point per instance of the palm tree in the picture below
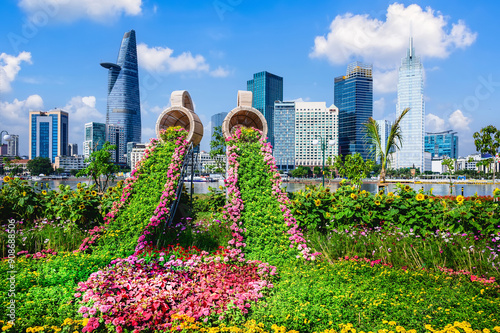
(394, 140)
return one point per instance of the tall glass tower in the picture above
(48, 134)
(354, 98)
(284, 131)
(266, 89)
(411, 95)
(124, 107)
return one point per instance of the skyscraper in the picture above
(442, 144)
(13, 145)
(266, 89)
(48, 134)
(95, 136)
(217, 120)
(284, 139)
(411, 95)
(124, 109)
(354, 98)
(72, 149)
(315, 121)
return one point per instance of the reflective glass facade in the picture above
(442, 144)
(411, 95)
(353, 96)
(48, 134)
(123, 91)
(95, 136)
(266, 89)
(284, 135)
(217, 120)
(384, 128)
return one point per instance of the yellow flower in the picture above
(24, 193)
(81, 207)
(65, 197)
(420, 197)
(377, 202)
(477, 202)
(390, 194)
(44, 192)
(94, 193)
(220, 187)
(392, 323)
(495, 191)
(407, 188)
(6, 179)
(317, 202)
(354, 196)
(78, 185)
(460, 199)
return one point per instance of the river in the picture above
(438, 189)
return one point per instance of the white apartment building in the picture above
(315, 121)
(68, 163)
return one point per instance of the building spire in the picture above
(411, 39)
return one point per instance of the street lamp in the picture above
(323, 143)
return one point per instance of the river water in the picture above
(437, 189)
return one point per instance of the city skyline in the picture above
(51, 52)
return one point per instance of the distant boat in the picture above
(36, 178)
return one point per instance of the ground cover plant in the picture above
(232, 288)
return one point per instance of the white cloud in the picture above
(384, 42)
(160, 59)
(220, 72)
(300, 100)
(9, 68)
(459, 121)
(40, 11)
(81, 110)
(15, 118)
(378, 108)
(434, 123)
(148, 133)
(385, 81)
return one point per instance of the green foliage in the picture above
(124, 230)
(300, 171)
(487, 141)
(19, 201)
(101, 168)
(393, 143)
(45, 288)
(218, 150)
(319, 296)
(353, 167)
(40, 165)
(324, 211)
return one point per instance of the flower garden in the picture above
(246, 258)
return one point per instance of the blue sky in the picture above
(50, 52)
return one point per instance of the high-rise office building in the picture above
(411, 95)
(442, 144)
(95, 136)
(116, 136)
(13, 145)
(124, 107)
(266, 89)
(72, 149)
(217, 120)
(384, 128)
(354, 98)
(48, 135)
(284, 135)
(314, 121)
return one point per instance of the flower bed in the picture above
(139, 294)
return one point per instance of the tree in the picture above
(100, 166)
(487, 141)
(394, 141)
(299, 172)
(40, 165)
(316, 170)
(450, 164)
(353, 167)
(217, 150)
